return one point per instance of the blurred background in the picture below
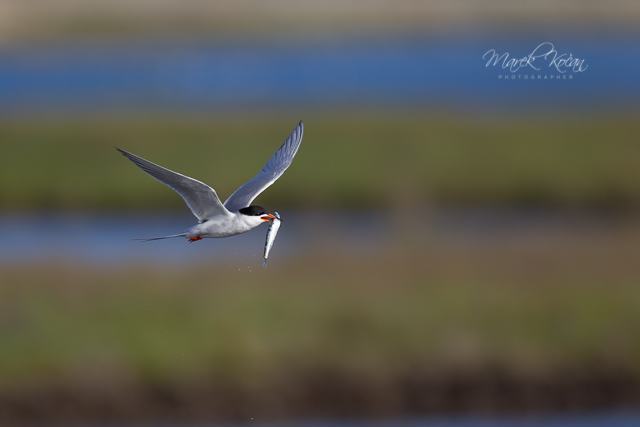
(460, 245)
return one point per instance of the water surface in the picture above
(380, 72)
(110, 239)
(624, 419)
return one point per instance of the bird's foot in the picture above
(194, 238)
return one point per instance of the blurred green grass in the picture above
(544, 320)
(533, 309)
(371, 159)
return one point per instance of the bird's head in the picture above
(260, 212)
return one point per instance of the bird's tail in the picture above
(162, 237)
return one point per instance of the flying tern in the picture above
(236, 215)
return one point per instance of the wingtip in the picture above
(125, 153)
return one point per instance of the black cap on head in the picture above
(253, 210)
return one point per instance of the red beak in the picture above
(268, 217)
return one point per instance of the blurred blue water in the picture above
(379, 73)
(108, 239)
(574, 420)
(567, 420)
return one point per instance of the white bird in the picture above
(237, 215)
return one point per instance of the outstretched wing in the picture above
(201, 199)
(270, 172)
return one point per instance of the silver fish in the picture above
(271, 237)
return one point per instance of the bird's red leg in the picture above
(194, 238)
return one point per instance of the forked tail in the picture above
(162, 237)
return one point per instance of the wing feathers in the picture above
(270, 172)
(199, 197)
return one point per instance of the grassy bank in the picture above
(537, 322)
(371, 159)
